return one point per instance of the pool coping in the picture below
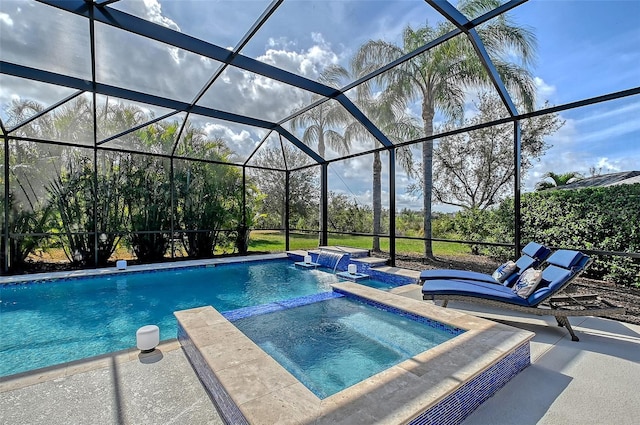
(256, 389)
(141, 268)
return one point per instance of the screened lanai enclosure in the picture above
(155, 130)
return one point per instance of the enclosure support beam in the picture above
(173, 207)
(324, 199)
(244, 197)
(45, 111)
(362, 118)
(243, 232)
(21, 71)
(5, 239)
(517, 213)
(95, 140)
(95, 203)
(392, 207)
(286, 211)
(118, 19)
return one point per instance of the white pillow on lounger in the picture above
(527, 282)
(504, 271)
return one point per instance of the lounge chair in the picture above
(533, 254)
(563, 266)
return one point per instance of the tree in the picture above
(398, 126)
(72, 190)
(28, 206)
(345, 215)
(476, 170)
(272, 183)
(322, 125)
(558, 180)
(208, 195)
(439, 77)
(389, 117)
(148, 192)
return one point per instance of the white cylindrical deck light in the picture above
(148, 338)
(352, 269)
(307, 259)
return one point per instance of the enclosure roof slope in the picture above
(252, 73)
(132, 52)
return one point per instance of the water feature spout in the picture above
(333, 258)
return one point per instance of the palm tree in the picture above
(439, 77)
(558, 180)
(321, 124)
(390, 119)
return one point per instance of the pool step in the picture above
(353, 252)
(354, 277)
(370, 262)
(413, 274)
(374, 267)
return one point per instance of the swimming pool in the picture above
(50, 323)
(44, 324)
(333, 344)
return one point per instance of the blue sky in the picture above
(585, 49)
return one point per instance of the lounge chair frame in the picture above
(560, 306)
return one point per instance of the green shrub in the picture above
(601, 218)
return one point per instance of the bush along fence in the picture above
(599, 219)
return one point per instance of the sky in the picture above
(585, 48)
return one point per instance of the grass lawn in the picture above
(274, 241)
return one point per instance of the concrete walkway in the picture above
(594, 381)
(121, 388)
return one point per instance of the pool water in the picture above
(334, 344)
(50, 323)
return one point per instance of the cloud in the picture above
(601, 137)
(565, 160)
(606, 164)
(408, 201)
(152, 10)
(606, 135)
(240, 141)
(545, 91)
(307, 62)
(608, 111)
(245, 93)
(5, 19)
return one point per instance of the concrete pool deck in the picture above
(593, 381)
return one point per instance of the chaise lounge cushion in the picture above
(537, 251)
(553, 279)
(566, 258)
(532, 255)
(473, 289)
